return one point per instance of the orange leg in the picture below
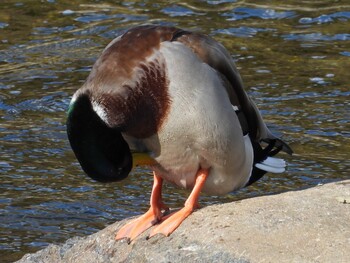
(150, 218)
(174, 220)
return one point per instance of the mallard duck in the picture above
(172, 100)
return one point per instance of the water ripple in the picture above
(51, 103)
(324, 18)
(47, 51)
(314, 37)
(240, 13)
(242, 31)
(178, 11)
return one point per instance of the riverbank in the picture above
(311, 225)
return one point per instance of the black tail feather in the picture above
(260, 155)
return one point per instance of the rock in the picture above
(310, 225)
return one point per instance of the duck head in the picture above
(101, 150)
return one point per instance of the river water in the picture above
(294, 59)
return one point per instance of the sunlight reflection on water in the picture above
(294, 63)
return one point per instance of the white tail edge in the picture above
(272, 165)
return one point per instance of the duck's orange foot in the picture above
(172, 222)
(135, 228)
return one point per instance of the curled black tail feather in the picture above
(260, 155)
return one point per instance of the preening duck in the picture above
(173, 100)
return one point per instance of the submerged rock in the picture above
(309, 225)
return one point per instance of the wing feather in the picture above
(215, 55)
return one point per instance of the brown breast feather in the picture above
(141, 111)
(131, 89)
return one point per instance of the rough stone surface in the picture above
(311, 225)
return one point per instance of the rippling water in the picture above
(293, 58)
